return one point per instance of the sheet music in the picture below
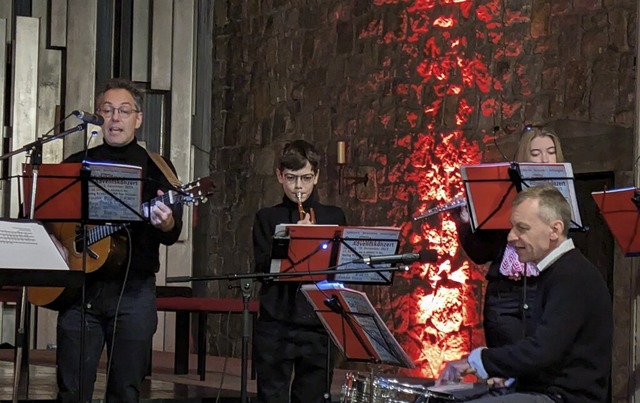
(366, 241)
(27, 245)
(372, 325)
(125, 186)
(490, 190)
(560, 176)
(358, 309)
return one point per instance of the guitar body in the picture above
(105, 254)
(107, 251)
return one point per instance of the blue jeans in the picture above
(129, 350)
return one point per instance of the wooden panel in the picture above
(49, 84)
(24, 111)
(105, 42)
(161, 41)
(124, 27)
(81, 66)
(182, 86)
(49, 99)
(58, 24)
(182, 90)
(140, 41)
(201, 135)
(3, 83)
(6, 13)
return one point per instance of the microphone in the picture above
(424, 256)
(87, 117)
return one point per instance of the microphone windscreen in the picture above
(428, 256)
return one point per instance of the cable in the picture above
(635, 172)
(224, 363)
(496, 129)
(115, 318)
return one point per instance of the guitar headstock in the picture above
(198, 191)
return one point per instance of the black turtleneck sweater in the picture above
(283, 301)
(145, 238)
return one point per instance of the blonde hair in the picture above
(530, 133)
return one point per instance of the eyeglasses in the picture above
(124, 111)
(306, 179)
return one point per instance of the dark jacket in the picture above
(283, 301)
(569, 351)
(484, 246)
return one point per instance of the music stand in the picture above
(310, 248)
(22, 267)
(621, 211)
(354, 325)
(491, 188)
(107, 192)
(34, 151)
(246, 286)
(67, 192)
(303, 249)
(358, 242)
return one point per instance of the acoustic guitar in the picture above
(106, 245)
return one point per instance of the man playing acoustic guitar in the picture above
(120, 304)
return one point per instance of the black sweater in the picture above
(145, 238)
(283, 301)
(569, 352)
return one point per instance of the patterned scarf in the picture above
(513, 268)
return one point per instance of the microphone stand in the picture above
(246, 286)
(35, 148)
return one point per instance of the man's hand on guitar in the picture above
(161, 216)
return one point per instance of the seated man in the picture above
(566, 356)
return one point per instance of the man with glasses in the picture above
(289, 338)
(124, 294)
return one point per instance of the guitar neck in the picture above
(169, 198)
(100, 232)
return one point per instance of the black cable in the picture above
(115, 318)
(497, 129)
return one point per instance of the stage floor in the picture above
(222, 379)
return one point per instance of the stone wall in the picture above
(365, 71)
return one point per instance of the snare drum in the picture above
(366, 388)
(461, 392)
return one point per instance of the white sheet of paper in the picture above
(27, 245)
